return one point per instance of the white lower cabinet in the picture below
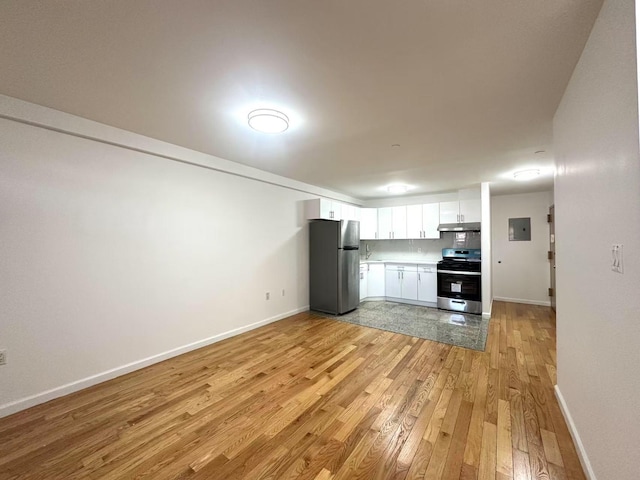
(375, 280)
(427, 284)
(392, 282)
(411, 282)
(364, 280)
(401, 281)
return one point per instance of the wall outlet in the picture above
(3, 357)
(267, 296)
(419, 250)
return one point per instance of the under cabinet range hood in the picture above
(459, 227)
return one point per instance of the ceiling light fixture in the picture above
(524, 175)
(397, 188)
(265, 120)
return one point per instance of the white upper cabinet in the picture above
(468, 208)
(403, 222)
(414, 221)
(430, 220)
(392, 223)
(423, 220)
(368, 223)
(470, 205)
(449, 212)
(327, 209)
(399, 217)
(323, 208)
(330, 209)
(385, 223)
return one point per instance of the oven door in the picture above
(459, 285)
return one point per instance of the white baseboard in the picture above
(544, 303)
(42, 397)
(582, 453)
(419, 303)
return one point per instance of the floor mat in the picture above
(460, 329)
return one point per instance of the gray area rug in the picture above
(460, 329)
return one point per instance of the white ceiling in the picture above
(468, 89)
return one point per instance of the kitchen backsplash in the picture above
(419, 250)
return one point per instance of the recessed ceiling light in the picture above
(397, 188)
(266, 120)
(524, 175)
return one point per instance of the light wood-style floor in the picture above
(314, 398)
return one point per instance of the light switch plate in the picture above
(617, 264)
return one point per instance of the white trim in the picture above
(16, 110)
(582, 453)
(523, 300)
(42, 397)
(487, 315)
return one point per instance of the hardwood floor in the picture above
(313, 398)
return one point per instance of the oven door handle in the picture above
(460, 273)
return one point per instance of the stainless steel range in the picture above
(460, 281)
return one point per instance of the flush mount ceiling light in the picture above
(397, 188)
(266, 120)
(524, 175)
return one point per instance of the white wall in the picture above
(112, 259)
(521, 269)
(597, 199)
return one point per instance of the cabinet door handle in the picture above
(458, 218)
(402, 275)
(419, 279)
(461, 217)
(398, 274)
(375, 234)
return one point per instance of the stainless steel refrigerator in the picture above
(334, 265)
